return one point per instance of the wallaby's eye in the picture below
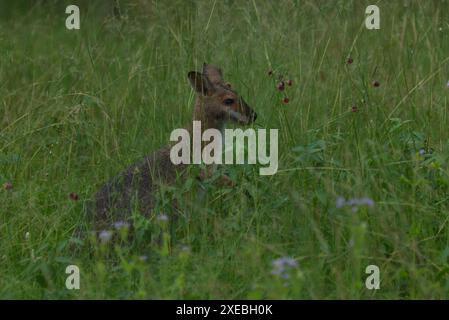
(228, 102)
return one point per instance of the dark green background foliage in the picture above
(77, 107)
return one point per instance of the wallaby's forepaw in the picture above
(222, 180)
(226, 181)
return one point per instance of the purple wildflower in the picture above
(282, 266)
(354, 203)
(367, 201)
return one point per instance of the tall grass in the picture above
(77, 107)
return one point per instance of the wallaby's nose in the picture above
(249, 112)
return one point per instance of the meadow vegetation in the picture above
(363, 149)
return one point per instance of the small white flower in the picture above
(121, 224)
(27, 235)
(162, 217)
(341, 201)
(105, 236)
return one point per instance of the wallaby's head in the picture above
(218, 101)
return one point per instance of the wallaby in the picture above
(216, 103)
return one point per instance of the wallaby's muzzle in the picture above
(249, 113)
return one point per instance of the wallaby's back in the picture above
(134, 187)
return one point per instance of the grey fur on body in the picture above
(136, 185)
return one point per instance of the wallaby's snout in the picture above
(251, 114)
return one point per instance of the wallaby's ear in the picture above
(200, 83)
(213, 73)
